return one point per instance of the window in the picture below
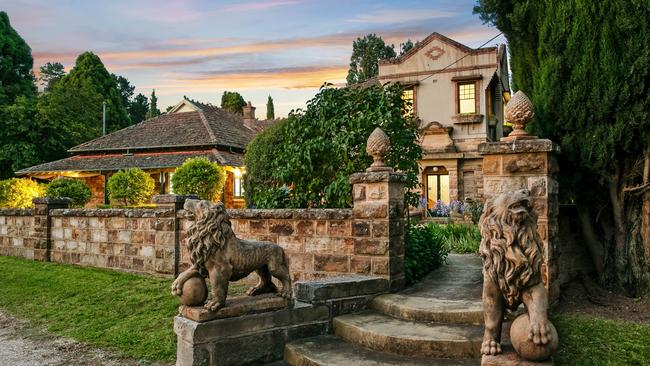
(238, 188)
(409, 97)
(171, 185)
(467, 97)
(437, 188)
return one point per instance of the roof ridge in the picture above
(207, 126)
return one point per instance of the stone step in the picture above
(431, 310)
(329, 350)
(384, 333)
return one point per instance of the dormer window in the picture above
(466, 97)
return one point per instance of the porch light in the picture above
(506, 96)
(237, 172)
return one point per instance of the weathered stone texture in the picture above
(532, 165)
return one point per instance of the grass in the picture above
(459, 238)
(593, 341)
(127, 313)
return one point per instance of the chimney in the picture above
(249, 115)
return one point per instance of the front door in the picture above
(437, 187)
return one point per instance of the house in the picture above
(159, 145)
(458, 94)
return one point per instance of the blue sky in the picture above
(199, 48)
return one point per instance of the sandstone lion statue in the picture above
(512, 254)
(216, 252)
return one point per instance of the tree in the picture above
(89, 73)
(406, 46)
(366, 54)
(201, 177)
(324, 144)
(16, 62)
(590, 81)
(77, 191)
(132, 186)
(233, 102)
(153, 105)
(50, 74)
(270, 109)
(73, 112)
(138, 108)
(19, 192)
(260, 154)
(124, 88)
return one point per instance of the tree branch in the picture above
(641, 188)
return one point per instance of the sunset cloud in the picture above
(279, 78)
(201, 48)
(260, 5)
(396, 16)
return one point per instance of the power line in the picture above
(457, 61)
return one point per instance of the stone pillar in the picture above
(378, 195)
(43, 224)
(379, 206)
(175, 202)
(530, 164)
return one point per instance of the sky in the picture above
(199, 48)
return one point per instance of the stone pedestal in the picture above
(43, 224)
(529, 164)
(236, 306)
(253, 339)
(379, 211)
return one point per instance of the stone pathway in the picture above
(25, 345)
(436, 322)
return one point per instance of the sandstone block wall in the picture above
(367, 239)
(17, 233)
(136, 240)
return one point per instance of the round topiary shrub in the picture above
(73, 189)
(18, 193)
(131, 187)
(201, 177)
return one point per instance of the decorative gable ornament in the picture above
(434, 53)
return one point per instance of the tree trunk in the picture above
(620, 232)
(645, 209)
(595, 245)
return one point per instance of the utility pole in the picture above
(103, 118)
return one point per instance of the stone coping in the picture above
(51, 201)
(114, 212)
(518, 146)
(172, 198)
(16, 212)
(377, 177)
(295, 214)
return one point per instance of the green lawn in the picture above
(592, 341)
(128, 313)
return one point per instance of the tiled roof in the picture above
(207, 126)
(113, 162)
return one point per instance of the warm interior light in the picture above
(237, 172)
(506, 96)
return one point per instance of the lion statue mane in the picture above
(511, 249)
(217, 253)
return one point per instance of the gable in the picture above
(437, 52)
